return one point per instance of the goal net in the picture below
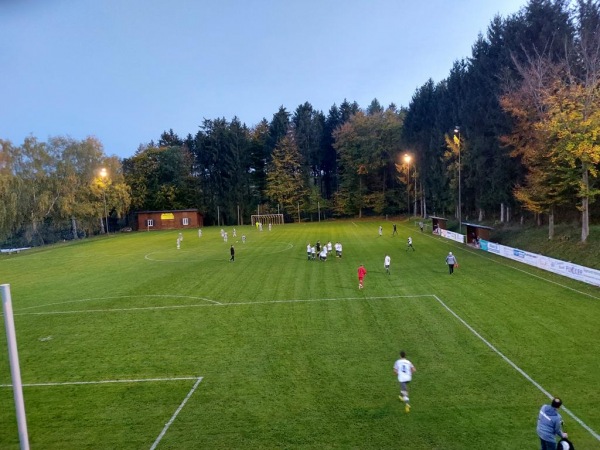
(265, 219)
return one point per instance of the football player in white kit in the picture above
(404, 369)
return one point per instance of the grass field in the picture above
(126, 342)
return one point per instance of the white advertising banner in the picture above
(567, 269)
(452, 235)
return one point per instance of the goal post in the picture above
(265, 219)
(15, 369)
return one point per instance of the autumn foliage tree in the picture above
(556, 110)
(367, 146)
(286, 183)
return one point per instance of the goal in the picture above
(265, 219)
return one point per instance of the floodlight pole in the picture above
(415, 177)
(408, 186)
(105, 210)
(457, 133)
(104, 174)
(15, 370)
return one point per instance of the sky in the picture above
(124, 71)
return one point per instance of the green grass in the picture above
(291, 353)
(566, 244)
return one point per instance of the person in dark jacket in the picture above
(549, 425)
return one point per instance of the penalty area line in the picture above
(214, 304)
(69, 383)
(517, 368)
(174, 416)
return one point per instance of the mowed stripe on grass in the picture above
(307, 374)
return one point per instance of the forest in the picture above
(511, 134)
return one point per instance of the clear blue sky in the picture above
(126, 70)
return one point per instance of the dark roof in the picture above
(168, 211)
(477, 226)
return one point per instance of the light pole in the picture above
(407, 159)
(457, 141)
(416, 193)
(104, 174)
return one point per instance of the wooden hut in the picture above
(168, 220)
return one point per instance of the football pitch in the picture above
(126, 342)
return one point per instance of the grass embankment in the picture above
(566, 244)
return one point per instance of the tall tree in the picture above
(329, 159)
(286, 183)
(225, 155)
(278, 128)
(367, 147)
(308, 127)
(563, 88)
(260, 158)
(9, 186)
(34, 163)
(161, 178)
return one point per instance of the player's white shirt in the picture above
(329, 246)
(308, 248)
(405, 369)
(387, 261)
(409, 241)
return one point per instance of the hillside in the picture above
(566, 245)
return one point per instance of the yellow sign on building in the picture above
(167, 216)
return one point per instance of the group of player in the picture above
(225, 235)
(321, 251)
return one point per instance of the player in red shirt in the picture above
(361, 276)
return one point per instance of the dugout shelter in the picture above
(168, 220)
(476, 232)
(438, 223)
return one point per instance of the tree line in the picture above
(526, 109)
(512, 133)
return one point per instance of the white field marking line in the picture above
(517, 368)
(289, 247)
(168, 424)
(151, 308)
(69, 383)
(484, 255)
(117, 297)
